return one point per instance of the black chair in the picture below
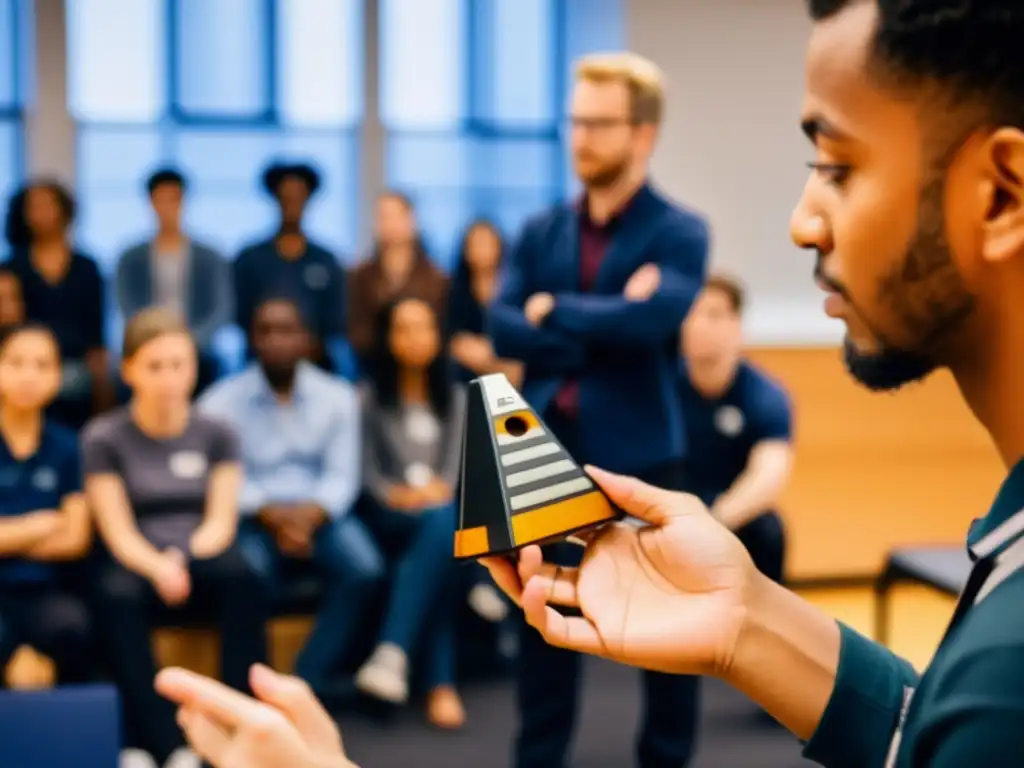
(943, 568)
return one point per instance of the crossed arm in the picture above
(554, 331)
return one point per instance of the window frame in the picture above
(177, 115)
(13, 113)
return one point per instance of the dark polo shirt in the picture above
(40, 482)
(968, 708)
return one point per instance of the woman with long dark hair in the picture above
(412, 425)
(473, 287)
(63, 289)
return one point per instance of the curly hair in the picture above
(16, 229)
(970, 49)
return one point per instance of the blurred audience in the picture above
(291, 261)
(738, 424)
(163, 482)
(172, 271)
(412, 427)
(63, 289)
(299, 432)
(474, 285)
(44, 519)
(399, 265)
(12, 306)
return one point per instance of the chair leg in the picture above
(883, 587)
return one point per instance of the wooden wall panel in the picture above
(876, 470)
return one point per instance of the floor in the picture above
(731, 736)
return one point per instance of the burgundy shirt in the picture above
(594, 240)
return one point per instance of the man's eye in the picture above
(835, 174)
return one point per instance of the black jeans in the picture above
(126, 607)
(548, 678)
(765, 540)
(52, 621)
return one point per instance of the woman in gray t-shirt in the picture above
(412, 438)
(163, 482)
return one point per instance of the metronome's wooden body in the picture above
(519, 484)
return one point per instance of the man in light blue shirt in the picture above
(300, 437)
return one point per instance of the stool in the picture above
(75, 726)
(943, 568)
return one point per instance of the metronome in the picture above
(519, 484)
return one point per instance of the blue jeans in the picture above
(350, 566)
(422, 585)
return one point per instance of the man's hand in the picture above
(643, 284)
(538, 307)
(284, 726)
(670, 597)
(170, 578)
(404, 498)
(209, 540)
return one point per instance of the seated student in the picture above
(300, 442)
(473, 287)
(163, 483)
(738, 426)
(44, 519)
(398, 265)
(62, 288)
(412, 427)
(12, 305)
(171, 270)
(290, 260)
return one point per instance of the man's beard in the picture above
(605, 175)
(933, 302)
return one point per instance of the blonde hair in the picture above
(149, 324)
(641, 76)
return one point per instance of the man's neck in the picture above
(412, 386)
(169, 240)
(991, 378)
(605, 202)
(19, 427)
(712, 378)
(397, 261)
(159, 424)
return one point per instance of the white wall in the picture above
(732, 146)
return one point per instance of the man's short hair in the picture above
(729, 287)
(970, 49)
(163, 176)
(641, 76)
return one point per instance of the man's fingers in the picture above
(503, 571)
(655, 506)
(295, 699)
(530, 562)
(209, 740)
(558, 584)
(572, 632)
(215, 700)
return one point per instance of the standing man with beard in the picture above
(593, 297)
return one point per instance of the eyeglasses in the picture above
(597, 124)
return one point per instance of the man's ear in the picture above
(1004, 193)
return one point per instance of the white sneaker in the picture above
(384, 675)
(487, 603)
(135, 758)
(183, 757)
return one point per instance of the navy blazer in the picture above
(623, 353)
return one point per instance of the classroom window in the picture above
(15, 85)
(472, 123)
(218, 89)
